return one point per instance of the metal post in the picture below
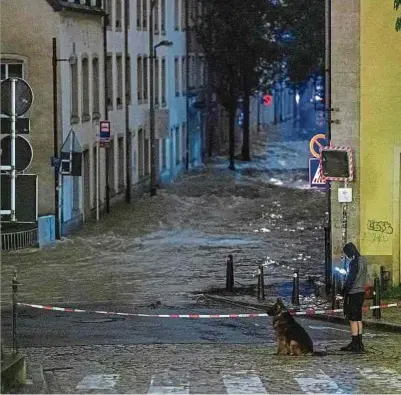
(327, 260)
(230, 274)
(14, 311)
(295, 287)
(259, 98)
(97, 180)
(128, 137)
(13, 171)
(327, 81)
(55, 142)
(376, 298)
(152, 56)
(335, 304)
(262, 281)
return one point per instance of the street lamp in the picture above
(72, 60)
(152, 56)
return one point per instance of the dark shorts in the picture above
(354, 306)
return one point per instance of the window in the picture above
(109, 12)
(156, 17)
(191, 71)
(163, 16)
(146, 157)
(139, 14)
(201, 71)
(157, 81)
(95, 88)
(144, 14)
(177, 76)
(164, 77)
(85, 90)
(109, 76)
(145, 78)
(119, 80)
(184, 141)
(139, 76)
(164, 153)
(121, 180)
(183, 75)
(177, 14)
(177, 145)
(74, 93)
(183, 22)
(128, 80)
(119, 16)
(11, 68)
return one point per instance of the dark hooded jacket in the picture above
(358, 271)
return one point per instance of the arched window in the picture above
(95, 89)
(85, 90)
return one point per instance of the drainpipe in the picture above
(152, 56)
(328, 117)
(128, 142)
(187, 46)
(106, 111)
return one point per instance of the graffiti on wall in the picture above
(380, 226)
(378, 232)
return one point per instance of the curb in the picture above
(380, 325)
(35, 383)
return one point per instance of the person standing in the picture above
(353, 294)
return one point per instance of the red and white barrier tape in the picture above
(307, 312)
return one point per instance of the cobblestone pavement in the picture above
(219, 369)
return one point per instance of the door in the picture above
(86, 186)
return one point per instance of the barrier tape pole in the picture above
(307, 312)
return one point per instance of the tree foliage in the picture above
(397, 4)
(303, 25)
(244, 45)
(238, 46)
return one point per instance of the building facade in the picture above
(365, 71)
(74, 29)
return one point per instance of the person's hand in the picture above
(339, 297)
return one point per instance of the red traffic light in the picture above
(267, 100)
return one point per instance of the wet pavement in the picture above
(157, 256)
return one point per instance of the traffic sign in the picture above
(316, 144)
(22, 125)
(23, 96)
(104, 130)
(267, 100)
(315, 174)
(337, 163)
(23, 153)
(26, 198)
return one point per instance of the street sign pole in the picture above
(13, 171)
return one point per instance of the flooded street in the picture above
(174, 245)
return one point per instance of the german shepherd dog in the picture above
(292, 338)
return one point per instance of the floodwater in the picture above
(174, 245)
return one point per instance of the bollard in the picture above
(295, 287)
(335, 304)
(327, 260)
(377, 314)
(261, 283)
(14, 311)
(230, 274)
(385, 278)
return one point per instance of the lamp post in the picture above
(152, 56)
(71, 60)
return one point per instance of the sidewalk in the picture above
(390, 321)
